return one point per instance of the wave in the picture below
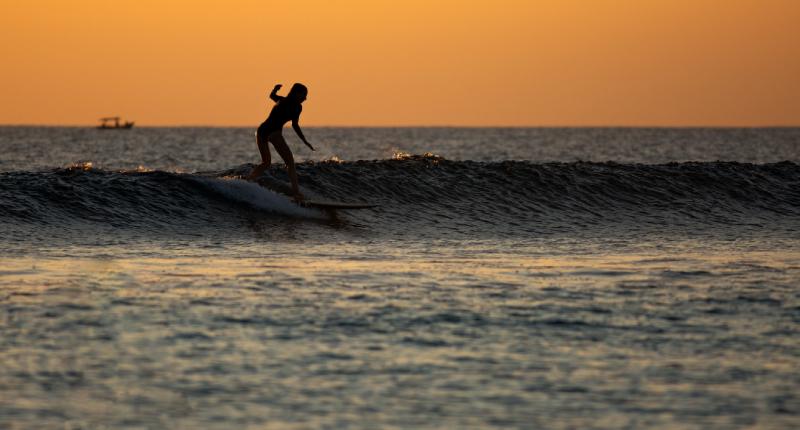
(420, 190)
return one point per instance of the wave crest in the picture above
(424, 189)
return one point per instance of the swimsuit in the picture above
(281, 113)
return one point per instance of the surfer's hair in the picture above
(298, 88)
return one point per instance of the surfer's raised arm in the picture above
(296, 127)
(274, 94)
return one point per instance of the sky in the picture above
(403, 63)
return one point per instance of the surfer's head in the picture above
(299, 92)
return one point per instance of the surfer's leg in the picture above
(266, 157)
(263, 148)
(280, 145)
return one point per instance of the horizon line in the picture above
(421, 126)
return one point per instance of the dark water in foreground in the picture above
(652, 285)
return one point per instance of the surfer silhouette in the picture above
(271, 131)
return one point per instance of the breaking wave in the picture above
(427, 190)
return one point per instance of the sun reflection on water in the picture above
(510, 334)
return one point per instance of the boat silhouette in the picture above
(106, 123)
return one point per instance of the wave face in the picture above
(422, 194)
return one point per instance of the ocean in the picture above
(525, 278)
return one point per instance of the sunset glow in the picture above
(443, 62)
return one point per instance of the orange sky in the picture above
(409, 62)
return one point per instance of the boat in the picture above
(106, 123)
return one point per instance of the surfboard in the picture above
(281, 187)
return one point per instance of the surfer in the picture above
(271, 131)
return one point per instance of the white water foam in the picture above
(258, 197)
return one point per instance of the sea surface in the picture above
(560, 278)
